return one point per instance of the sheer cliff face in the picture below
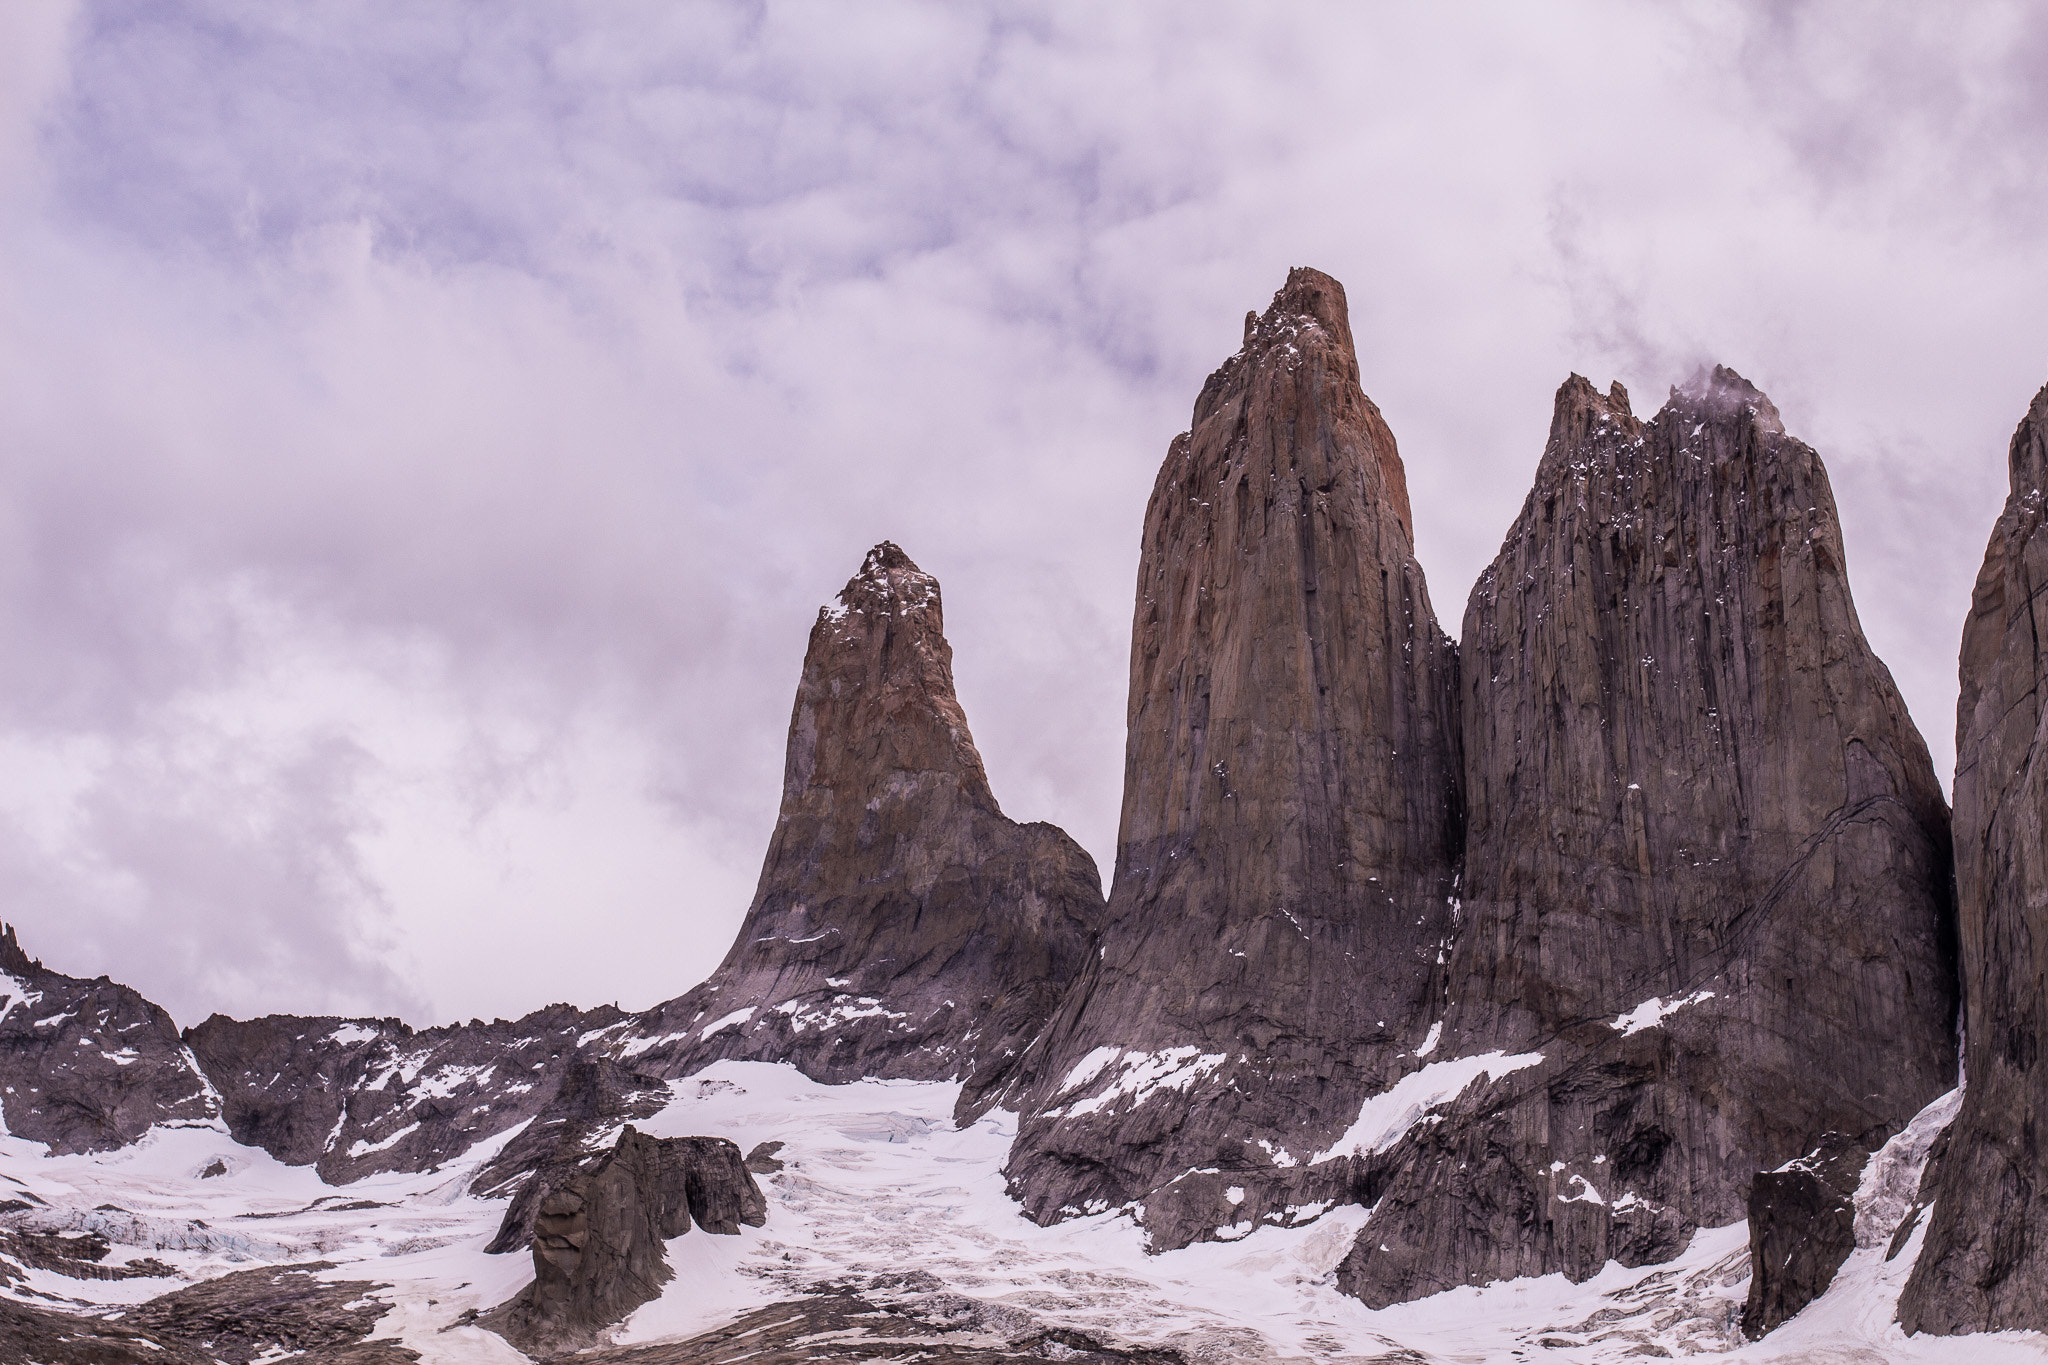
(1291, 811)
(1707, 869)
(1984, 1265)
(903, 925)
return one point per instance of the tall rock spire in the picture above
(1291, 812)
(903, 925)
(1706, 885)
(1984, 1266)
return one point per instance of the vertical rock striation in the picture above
(1707, 869)
(903, 926)
(1291, 813)
(1984, 1265)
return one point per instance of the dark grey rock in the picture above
(88, 1066)
(1984, 1264)
(1802, 1226)
(598, 1235)
(1689, 780)
(578, 1125)
(763, 1161)
(353, 1097)
(1291, 814)
(903, 926)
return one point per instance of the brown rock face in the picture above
(903, 927)
(1707, 870)
(1291, 812)
(1984, 1265)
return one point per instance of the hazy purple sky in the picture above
(427, 432)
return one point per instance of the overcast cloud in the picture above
(427, 432)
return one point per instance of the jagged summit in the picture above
(876, 717)
(1721, 393)
(1706, 880)
(12, 959)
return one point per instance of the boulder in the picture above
(598, 1235)
(1802, 1226)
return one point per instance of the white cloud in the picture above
(426, 433)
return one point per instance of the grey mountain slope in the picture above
(1290, 815)
(354, 1096)
(88, 1066)
(1690, 784)
(1984, 1265)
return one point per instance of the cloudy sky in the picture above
(427, 432)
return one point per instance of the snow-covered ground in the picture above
(879, 1184)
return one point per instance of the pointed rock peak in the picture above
(877, 696)
(888, 584)
(1581, 412)
(2027, 461)
(12, 959)
(1308, 295)
(1720, 393)
(1311, 293)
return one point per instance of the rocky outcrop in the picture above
(274, 1311)
(88, 1066)
(352, 1097)
(595, 1100)
(1706, 900)
(1291, 813)
(1984, 1265)
(903, 926)
(1802, 1226)
(598, 1235)
(265, 1314)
